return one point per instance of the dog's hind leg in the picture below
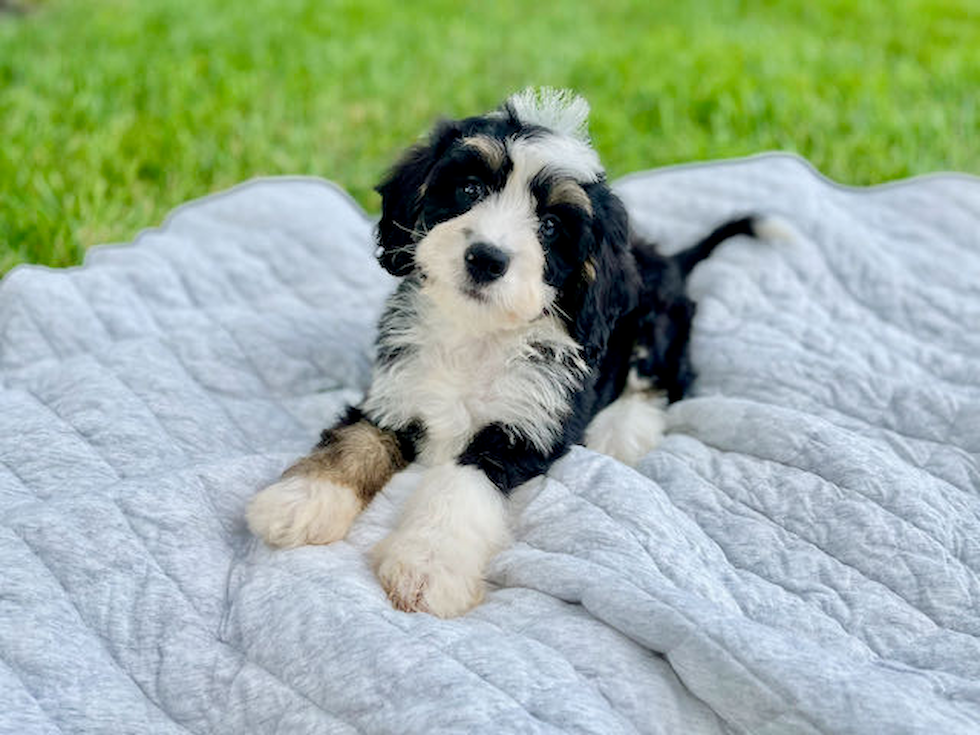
(661, 359)
(659, 365)
(660, 353)
(630, 426)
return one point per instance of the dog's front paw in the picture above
(303, 509)
(418, 578)
(450, 528)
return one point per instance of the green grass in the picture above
(112, 112)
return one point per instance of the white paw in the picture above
(450, 528)
(628, 428)
(302, 509)
(419, 579)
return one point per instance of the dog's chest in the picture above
(457, 389)
(457, 384)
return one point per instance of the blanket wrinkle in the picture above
(844, 485)
(36, 705)
(936, 624)
(594, 603)
(392, 620)
(746, 570)
(103, 642)
(627, 523)
(965, 503)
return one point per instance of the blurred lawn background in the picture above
(112, 112)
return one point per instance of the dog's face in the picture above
(507, 218)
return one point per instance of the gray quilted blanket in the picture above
(802, 554)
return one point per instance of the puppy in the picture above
(525, 320)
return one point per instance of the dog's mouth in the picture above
(475, 293)
(463, 286)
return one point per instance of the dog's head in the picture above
(507, 217)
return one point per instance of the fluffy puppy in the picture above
(525, 320)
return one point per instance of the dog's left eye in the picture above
(471, 190)
(549, 228)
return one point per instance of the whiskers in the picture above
(416, 234)
(556, 310)
(408, 249)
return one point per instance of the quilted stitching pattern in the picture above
(802, 554)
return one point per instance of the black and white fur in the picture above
(526, 320)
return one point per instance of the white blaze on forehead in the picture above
(566, 151)
(557, 155)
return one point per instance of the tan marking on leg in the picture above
(319, 497)
(360, 456)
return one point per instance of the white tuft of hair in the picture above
(773, 227)
(560, 110)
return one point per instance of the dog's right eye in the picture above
(470, 191)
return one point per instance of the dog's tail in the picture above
(751, 225)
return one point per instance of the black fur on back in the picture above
(665, 313)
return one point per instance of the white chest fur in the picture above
(456, 382)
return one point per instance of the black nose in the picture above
(485, 262)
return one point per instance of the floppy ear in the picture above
(609, 281)
(401, 200)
